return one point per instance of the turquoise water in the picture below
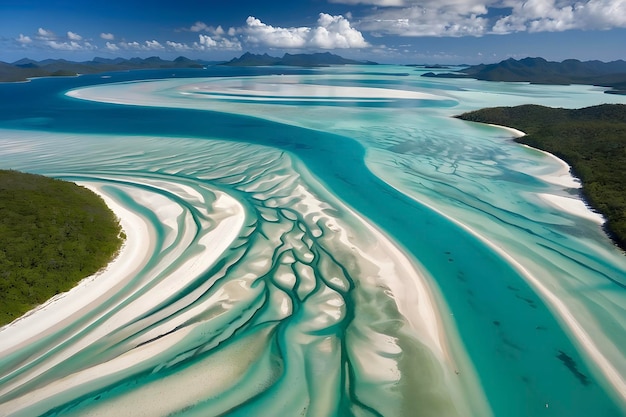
(302, 311)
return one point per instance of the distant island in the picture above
(539, 71)
(27, 68)
(298, 60)
(53, 234)
(591, 140)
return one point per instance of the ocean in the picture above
(321, 242)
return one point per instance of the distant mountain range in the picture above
(533, 70)
(297, 60)
(28, 68)
(540, 71)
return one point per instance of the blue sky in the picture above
(395, 31)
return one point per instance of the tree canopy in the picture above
(591, 140)
(53, 233)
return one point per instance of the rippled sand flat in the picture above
(350, 250)
(251, 247)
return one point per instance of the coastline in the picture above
(126, 277)
(585, 340)
(577, 206)
(50, 315)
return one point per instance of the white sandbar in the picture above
(573, 206)
(68, 306)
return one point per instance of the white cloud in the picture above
(177, 46)
(74, 36)
(112, 47)
(198, 27)
(331, 32)
(557, 16)
(475, 17)
(214, 31)
(66, 46)
(24, 40)
(259, 33)
(107, 36)
(130, 45)
(440, 20)
(46, 34)
(206, 42)
(336, 32)
(153, 45)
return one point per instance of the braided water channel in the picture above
(281, 277)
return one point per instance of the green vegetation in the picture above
(28, 68)
(297, 60)
(540, 71)
(591, 140)
(52, 234)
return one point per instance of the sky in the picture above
(386, 31)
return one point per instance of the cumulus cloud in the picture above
(107, 36)
(214, 31)
(24, 40)
(46, 34)
(177, 46)
(331, 32)
(206, 42)
(145, 46)
(557, 16)
(45, 38)
(112, 47)
(74, 36)
(198, 27)
(67, 46)
(153, 45)
(479, 17)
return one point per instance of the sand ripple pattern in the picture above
(256, 293)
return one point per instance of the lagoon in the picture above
(316, 242)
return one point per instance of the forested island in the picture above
(53, 233)
(541, 71)
(293, 60)
(27, 68)
(591, 140)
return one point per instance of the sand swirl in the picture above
(243, 285)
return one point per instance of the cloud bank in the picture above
(457, 18)
(331, 32)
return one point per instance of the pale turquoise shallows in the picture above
(324, 242)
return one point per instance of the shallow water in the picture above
(307, 308)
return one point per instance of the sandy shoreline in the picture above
(562, 177)
(605, 366)
(515, 132)
(54, 312)
(68, 308)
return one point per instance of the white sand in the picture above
(387, 266)
(612, 374)
(562, 177)
(139, 247)
(188, 94)
(572, 205)
(515, 132)
(63, 307)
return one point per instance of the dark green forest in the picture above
(591, 140)
(53, 233)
